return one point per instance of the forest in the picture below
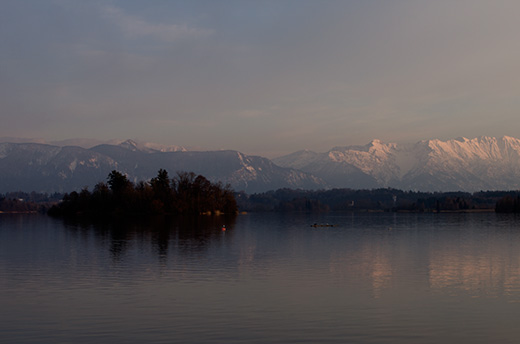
(186, 193)
(384, 199)
(509, 204)
(24, 202)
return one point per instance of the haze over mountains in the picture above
(50, 168)
(89, 143)
(484, 163)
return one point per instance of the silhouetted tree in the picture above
(187, 193)
(162, 191)
(118, 182)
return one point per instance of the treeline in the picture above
(287, 200)
(23, 202)
(509, 204)
(186, 193)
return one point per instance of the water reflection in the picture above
(472, 254)
(185, 235)
(479, 264)
(375, 278)
(478, 255)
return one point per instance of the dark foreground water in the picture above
(269, 278)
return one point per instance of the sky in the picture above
(262, 77)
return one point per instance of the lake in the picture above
(266, 278)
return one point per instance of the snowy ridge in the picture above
(475, 164)
(47, 168)
(150, 147)
(482, 163)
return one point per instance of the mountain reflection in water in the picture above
(268, 278)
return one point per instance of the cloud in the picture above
(136, 27)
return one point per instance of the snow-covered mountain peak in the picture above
(510, 139)
(46, 168)
(297, 159)
(380, 144)
(458, 164)
(469, 164)
(468, 150)
(376, 149)
(149, 147)
(163, 148)
(380, 148)
(130, 144)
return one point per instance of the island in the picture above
(186, 193)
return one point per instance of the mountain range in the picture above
(483, 163)
(51, 168)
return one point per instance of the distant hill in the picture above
(89, 143)
(49, 168)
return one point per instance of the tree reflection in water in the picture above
(186, 234)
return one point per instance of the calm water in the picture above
(269, 278)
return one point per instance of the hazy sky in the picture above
(263, 77)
